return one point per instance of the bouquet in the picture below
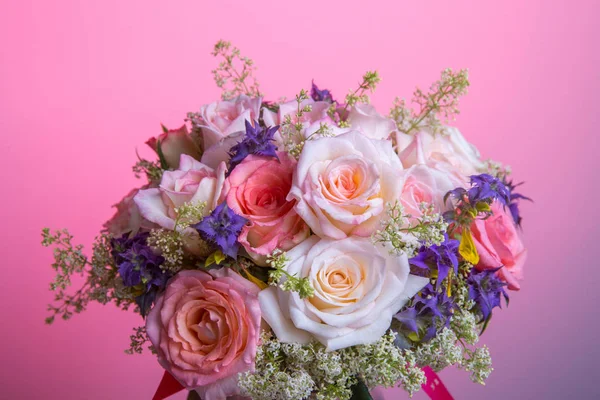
(306, 249)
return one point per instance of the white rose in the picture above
(358, 288)
(366, 119)
(449, 148)
(342, 184)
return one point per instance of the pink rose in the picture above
(342, 184)
(173, 144)
(499, 244)
(425, 184)
(364, 118)
(128, 218)
(258, 187)
(205, 329)
(223, 118)
(193, 182)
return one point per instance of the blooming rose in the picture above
(205, 329)
(219, 152)
(258, 190)
(311, 120)
(449, 148)
(364, 118)
(499, 244)
(358, 288)
(343, 183)
(223, 118)
(193, 182)
(128, 219)
(174, 143)
(422, 183)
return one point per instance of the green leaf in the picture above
(164, 128)
(255, 280)
(482, 206)
(360, 391)
(161, 155)
(467, 248)
(215, 258)
(485, 324)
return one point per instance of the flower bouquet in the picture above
(306, 249)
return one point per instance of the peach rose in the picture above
(358, 288)
(342, 184)
(174, 143)
(499, 244)
(258, 187)
(205, 329)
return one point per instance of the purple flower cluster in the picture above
(484, 188)
(440, 258)
(139, 267)
(431, 311)
(221, 228)
(258, 140)
(486, 289)
(320, 95)
(514, 201)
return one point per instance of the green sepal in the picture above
(164, 128)
(360, 391)
(161, 156)
(485, 324)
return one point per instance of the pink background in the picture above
(82, 83)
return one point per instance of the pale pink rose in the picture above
(205, 329)
(258, 187)
(358, 286)
(219, 152)
(128, 218)
(173, 144)
(342, 184)
(422, 183)
(311, 121)
(223, 118)
(366, 119)
(193, 183)
(499, 243)
(449, 148)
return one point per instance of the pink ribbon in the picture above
(168, 386)
(434, 387)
